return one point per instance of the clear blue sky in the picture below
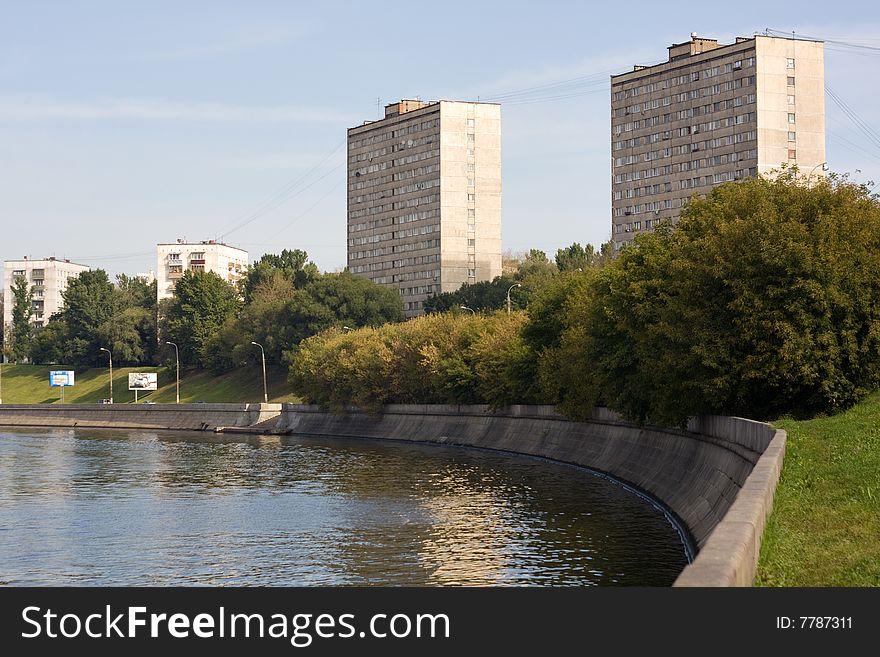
(125, 124)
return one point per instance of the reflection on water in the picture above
(96, 507)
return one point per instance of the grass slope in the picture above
(29, 384)
(825, 526)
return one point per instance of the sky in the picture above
(125, 124)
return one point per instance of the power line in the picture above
(281, 197)
(863, 127)
(846, 44)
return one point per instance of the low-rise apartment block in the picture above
(228, 262)
(47, 279)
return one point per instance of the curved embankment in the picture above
(718, 477)
(199, 417)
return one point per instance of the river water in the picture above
(102, 507)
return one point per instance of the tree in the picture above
(21, 332)
(765, 300)
(575, 257)
(90, 302)
(480, 296)
(203, 302)
(293, 265)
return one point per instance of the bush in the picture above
(764, 301)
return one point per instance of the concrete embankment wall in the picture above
(203, 417)
(713, 477)
(717, 478)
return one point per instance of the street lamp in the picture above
(824, 166)
(177, 363)
(466, 308)
(508, 295)
(263, 354)
(111, 372)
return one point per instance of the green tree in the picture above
(294, 265)
(203, 302)
(481, 296)
(765, 300)
(90, 302)
(21, 331)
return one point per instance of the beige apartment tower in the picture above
(48, 280)
(710, 114)
(172, 259)
(424, 198)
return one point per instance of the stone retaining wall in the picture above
(204, 417)
(717, 478)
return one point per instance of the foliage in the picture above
(202, 303)
(294, 266)
(280, 315)
(481, 296)
(21, 332)
(98, 314)
(765, 300)
(445, 359)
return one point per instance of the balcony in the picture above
(174, 275)
(174, 262)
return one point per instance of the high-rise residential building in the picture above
(710, 114)
(47, 279)
(424, 198)
(228, 262)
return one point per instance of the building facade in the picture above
(424, 198)
(48, 280)
(228, 262)
(710, 114)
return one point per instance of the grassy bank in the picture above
(29, 384)
(825, 525)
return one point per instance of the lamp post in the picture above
(508, 295)
(263, 355)
(111, 372)
(824, 166)
(466, 308)
(177, 364)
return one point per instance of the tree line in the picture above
(763, 301)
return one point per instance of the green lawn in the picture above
(29, 384)
(825, 525)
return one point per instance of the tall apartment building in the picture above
(47, 279)
(228, 262)
(424, 197)
(710, 114)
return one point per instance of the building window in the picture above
(473, 197)
(472, 273)
(792, 135)
(792, 154)
(472, 242)
(791, 117)
(789, 63)
(470, 182)
(472, 213)
(790, 80)
(791, 99)
(470, 123)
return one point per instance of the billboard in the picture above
(143, 381)
(60, 378)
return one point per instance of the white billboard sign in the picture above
(143, 381)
